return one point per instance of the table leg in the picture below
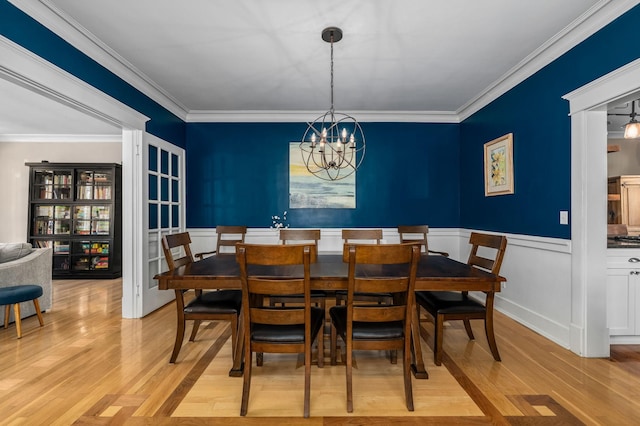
(238, 353)
(417, 367)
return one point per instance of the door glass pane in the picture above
(164, 189)
(153, 216)
(175, 193)
(153, 187)
(153, 158)
(164, 216)
(164, 162)
(175, 216)
(174, 166)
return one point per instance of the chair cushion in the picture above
(218, 302)
(447, 302)
(19, 293)
(287, 333)
(366, 330)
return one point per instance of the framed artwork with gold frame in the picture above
(498, 166)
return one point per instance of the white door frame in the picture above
(21, 66)
(588, 110)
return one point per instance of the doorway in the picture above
(588, 109)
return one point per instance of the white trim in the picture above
(49, 15)
(30, 71)
(133, 250)
(552, 330)
(60, 138)
(588, 104)
(616, 85)
(309, 116)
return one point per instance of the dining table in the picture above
(329, 272)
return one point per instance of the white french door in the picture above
(164, 212)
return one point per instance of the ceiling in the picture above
(222, 56)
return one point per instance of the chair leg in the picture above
(437, 339)
(179, 337)
(234, 333)
(406, 367)
(259, 359)
(194, 331)
(36, 305)
(333, 343)
(246, 384)
(491, 338)
(307, 377)
(467, 326)
(320, 339)
(7, 310)
(349, 377)
(16, 312)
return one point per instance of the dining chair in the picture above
(220, 305)
(378, 327)
(299, 236)
(417, 234)
(450, 305)
(361, 236)
(228, 237)
(278, 329)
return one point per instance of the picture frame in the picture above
(498, 166)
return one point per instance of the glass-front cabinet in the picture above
(75, 209)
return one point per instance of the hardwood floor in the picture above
(87, 365)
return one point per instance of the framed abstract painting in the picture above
(498, 166)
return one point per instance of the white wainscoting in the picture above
(537, 293)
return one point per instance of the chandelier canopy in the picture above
(333, 145)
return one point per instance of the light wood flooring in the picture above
(87, 365)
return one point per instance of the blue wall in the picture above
(238, 173)
(30, 34)
(538, 117)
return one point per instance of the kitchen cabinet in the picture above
(623, 203)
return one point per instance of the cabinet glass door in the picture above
(82, 220)
(90, 255)
(100, 220)
(94, 185)
(52, 185)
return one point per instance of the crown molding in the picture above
(310, 116)
(597, 17)
(49, 15)
(22, 138)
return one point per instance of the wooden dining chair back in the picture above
(487, 253)
(221, 305)
(417, 234)
(228, 237)
(378, 327)
(360, 236)
(277, 329)
(300, 236)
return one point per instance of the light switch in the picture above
(564, 217)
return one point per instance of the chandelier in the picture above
(333, 146)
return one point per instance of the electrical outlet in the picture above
(564, 217)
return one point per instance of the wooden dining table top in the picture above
(329, 272)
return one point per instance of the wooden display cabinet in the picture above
(75, 208)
